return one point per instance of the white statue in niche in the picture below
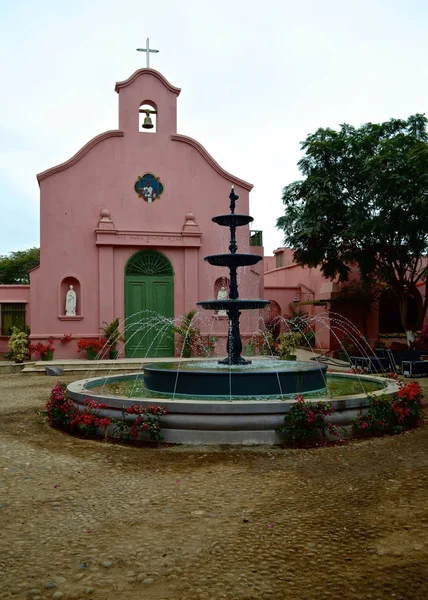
(222, 295)
(70, 303)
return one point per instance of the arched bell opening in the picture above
(148, 113)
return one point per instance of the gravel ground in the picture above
(89, 519)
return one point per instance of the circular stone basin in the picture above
(224, 421)
(259, 378)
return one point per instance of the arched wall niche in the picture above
(272, 310)
(64, 286)
(219, 283)
(147, 105)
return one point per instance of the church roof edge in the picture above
(188, 140)
(134, 76)
(76, 157)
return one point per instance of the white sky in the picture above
(256, 79)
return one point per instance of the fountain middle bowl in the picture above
(260, 378)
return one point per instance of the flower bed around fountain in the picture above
(194, 421)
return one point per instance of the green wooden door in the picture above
(149, 296)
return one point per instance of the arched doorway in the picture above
(149, 286)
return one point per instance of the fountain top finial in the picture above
(233, 198)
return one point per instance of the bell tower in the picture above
(147, 102)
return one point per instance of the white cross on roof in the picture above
(148, 50)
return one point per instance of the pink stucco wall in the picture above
(291, 281)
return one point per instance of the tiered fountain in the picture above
(234, 376)
(234, 400)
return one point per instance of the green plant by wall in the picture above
(112, 333)
(18, 344)
(189, 334)
(288, 342)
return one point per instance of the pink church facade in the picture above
(97, 221)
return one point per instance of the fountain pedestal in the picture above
(233, 261)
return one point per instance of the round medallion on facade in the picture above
(149, 187)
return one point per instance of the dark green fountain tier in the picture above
(232, 220)
(230, 304)
(259, 379)
(233, 260)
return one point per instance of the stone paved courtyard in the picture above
(88, 519)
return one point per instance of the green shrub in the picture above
(18, 344)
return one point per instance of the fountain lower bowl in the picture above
(261, 378)
(228, 421)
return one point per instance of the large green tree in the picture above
(15, 267)
(364, 201)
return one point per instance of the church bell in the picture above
(147, 121)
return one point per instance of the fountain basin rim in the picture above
(222, 422)
(78, 392)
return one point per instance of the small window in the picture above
(256, 238)
(279, 260)
(12, 315)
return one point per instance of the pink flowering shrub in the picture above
(146, 423)
(62, 413)
(60, 409)
(89, 421)
(392, 414)
(306, 421)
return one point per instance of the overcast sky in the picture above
(256, 78)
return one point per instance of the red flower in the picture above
(95, 344)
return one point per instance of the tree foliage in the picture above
(15, 268)
(363, 201)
